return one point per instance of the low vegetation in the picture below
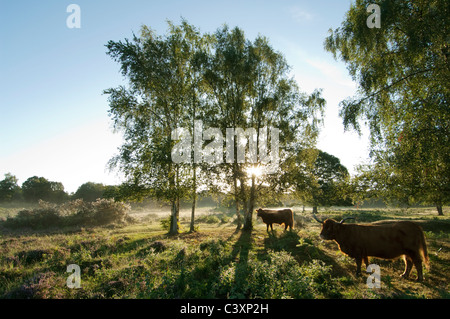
(72, 213)
(137, 259)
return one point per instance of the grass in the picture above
(139, 260)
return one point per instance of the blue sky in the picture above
(53, 116)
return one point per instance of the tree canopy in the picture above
(39, 188)
(198, 88)
(9, 189)
(320, 179)
(403, 72)
(90, 191)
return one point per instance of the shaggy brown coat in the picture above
(385, 239)
(276, 216)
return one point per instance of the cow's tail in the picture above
(423, 251)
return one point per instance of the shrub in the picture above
(277, 277)
(41, 286)
(100, 212)
(108, 211)
(74, 213)
(33, 256)
(35, 219)
(165, 223)
(321, 284)
(208, 219)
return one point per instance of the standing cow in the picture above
(383, 239)
(276, 216)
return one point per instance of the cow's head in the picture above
(258, 212)
(330, 227)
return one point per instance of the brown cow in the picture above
(383, 239)
(277, 216)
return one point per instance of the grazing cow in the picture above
(383, 239)
(277, 216)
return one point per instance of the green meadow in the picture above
(133, 257)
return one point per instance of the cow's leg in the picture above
(267, 227)
(418, 264)
(271, 227)
(366, 261)
(408, 266)
(358, 266)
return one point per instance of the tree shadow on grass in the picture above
(240, 254)
(303, 248)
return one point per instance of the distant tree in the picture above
(58, 195)
(36, 188)
(112, 191)
(9, 189)
(403, 71)
(322, 180)
(89, 191)
(332, 179)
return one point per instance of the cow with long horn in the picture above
(383, 239)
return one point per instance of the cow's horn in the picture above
(343, 220)
(317, 219)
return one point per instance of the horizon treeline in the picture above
(37, 188)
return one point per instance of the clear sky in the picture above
(53, 117)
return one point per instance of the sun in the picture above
(257, 171)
